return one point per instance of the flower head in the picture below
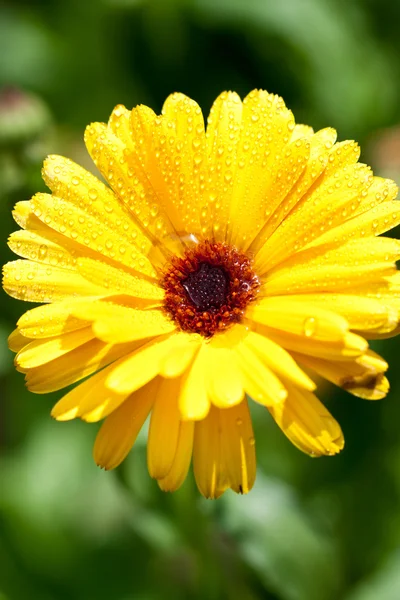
(216, 265)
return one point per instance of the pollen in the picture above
(208, 289)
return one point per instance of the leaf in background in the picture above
(384, 584)
(277, 538)
(348, 78)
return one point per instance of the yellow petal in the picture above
(74, 365)
(41, 352)
(362, 314)
(118, 280)
(51, 320)
(350, 345)
(208, 462)
(320, 145)
(361, 377)
(329, 268)
(126, 168)
(31, 281)
(164, 428)
(259, 381)
(183, 456)
(238, 447)
(113, 239)
(90, 400)
(380, 214)
(40, 248)
(119, 431)
(181, 356)
(194, 402)
(298, 318)
(21, 213)
(72, 182)
(139, 324)
(266, 123)
(307, 423)
(277, 359)
(16, 341)
(119, 324)
(141, 366)
(183, 163)
(307, 221)
(223, 137)
(224, 378)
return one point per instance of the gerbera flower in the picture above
(217, 265)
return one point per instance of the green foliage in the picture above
(323, 529)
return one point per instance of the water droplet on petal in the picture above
(310, 326)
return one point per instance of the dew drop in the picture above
(43, 251)
(310, 326)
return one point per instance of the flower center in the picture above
(208, 289)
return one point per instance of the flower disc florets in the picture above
(208, 289)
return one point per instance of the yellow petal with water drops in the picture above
(74, 365)
(120, 430)
(264, 176)
(42, 242)
(119, 324)
(224, 378)
(342, 154)
(278, 360)
(351, 345)
(31, 281)
(38, 248)
(72, 182)
(307, 221)
(335, 268)
(320, 145)
(164, 428)
(182, 459)
(361, 313)
(378, 220)
(223, 137)
(298, 318)
(307, 423)
(238, 447)
(300, 131)
(208, 461)
(194, 402)
(361, 377)
(118, 280)
(139, 324)
(125, 171)
(141, 366)
(41, 352)
(259, 381)
(183, 163)
(181, 355)
(21, 212)
(113, 241)
(381, 190)
(51, 320)
(120, 124)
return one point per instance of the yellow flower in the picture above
(216, 264)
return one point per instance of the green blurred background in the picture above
(322, 529)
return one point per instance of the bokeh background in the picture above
(312, 529)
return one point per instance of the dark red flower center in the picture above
(208, 289)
